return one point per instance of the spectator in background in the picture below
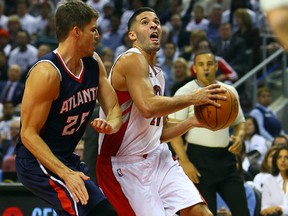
(27, 20)
(107, 54)
(10, 7)
(166, 65)
(126, 44)
(98, 5)
(274, 191)
(104, 21)
(24, 54)
(189, 50)
(164, 40)
(113, 38)
(3, 66)
(134, 5)
(35, 5)
(45, 8)
(6, 119)
(214, 18)
(108, 65)
(43, 49)
(255, 144)
(3, 17)
(4, 42)
(250, 34)
(171, 7)
(231, 48)
(280, 140)
(228, 15)
(225, 4)
(48, 35)
(14, 25)
(198, 20)
(181, 74)
(8, 145)
(12, 89)
(269, 124)
(9, 166)
(265, 168)
(177, 33)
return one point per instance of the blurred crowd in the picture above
(231, 29)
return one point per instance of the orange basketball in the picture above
(218, 117)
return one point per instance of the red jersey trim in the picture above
(76, 78)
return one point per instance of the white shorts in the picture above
(155, 185)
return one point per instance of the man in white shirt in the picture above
(24, 54)
(27, 20)
(209, 160)
(3, 17)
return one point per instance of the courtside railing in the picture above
(250, 80)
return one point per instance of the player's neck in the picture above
(150, 57)
(73, 62)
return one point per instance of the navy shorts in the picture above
(52, 189)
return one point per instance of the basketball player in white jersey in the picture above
(135, 168)
(276, 12)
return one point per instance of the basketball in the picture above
(217, 118)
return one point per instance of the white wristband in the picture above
(272, 4)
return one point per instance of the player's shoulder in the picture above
(45, 69)
(132, 60)
(132, 55)
(96, 56)
(44, 64)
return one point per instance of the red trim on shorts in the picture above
(111, 187)
(63, 198)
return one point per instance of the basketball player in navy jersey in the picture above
(60, 94)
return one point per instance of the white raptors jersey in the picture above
(137, 135)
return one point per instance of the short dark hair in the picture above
(136, 13)
(204, 52)
(279, 136)
(70, 14)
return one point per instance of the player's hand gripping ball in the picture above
(216, 118)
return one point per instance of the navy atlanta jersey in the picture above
(70, 112)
